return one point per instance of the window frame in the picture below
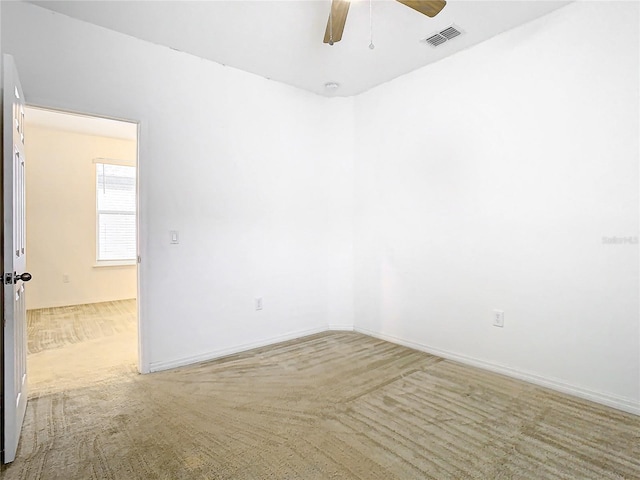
(98, 162)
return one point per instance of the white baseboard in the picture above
(224, 352)
(620, 403)
(340, 327)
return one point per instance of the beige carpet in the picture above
(57, 327)
(329, 406)
(80, 345)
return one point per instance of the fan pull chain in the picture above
(371, 45)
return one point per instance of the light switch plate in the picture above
(498, 318)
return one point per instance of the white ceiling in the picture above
(80, 123)
(282, 39)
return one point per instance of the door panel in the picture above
(14, 255)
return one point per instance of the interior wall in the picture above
(254, 175)
(61, 219)
(493, 180)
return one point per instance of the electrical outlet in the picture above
(498, 318)
(65, 278)
(258, 303)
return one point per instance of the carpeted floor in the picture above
(80, 345)
(57, 327)
(328, 406)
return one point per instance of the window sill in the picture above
(115, 263)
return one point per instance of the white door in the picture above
(14, 278)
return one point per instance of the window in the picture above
(116, 212)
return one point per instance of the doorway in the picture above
(81, 206)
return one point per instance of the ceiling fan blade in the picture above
(430, 8)
(337, 19)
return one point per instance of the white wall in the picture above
(487, 181)
(249, 171)
(61, 219)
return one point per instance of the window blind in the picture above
(116, 212)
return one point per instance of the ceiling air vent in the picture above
(435, 40)
(450, 32)
(441, 37)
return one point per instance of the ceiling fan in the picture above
(340, 8)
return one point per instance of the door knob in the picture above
(25, 277)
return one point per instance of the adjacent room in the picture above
(81, 224)
(402, 245)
